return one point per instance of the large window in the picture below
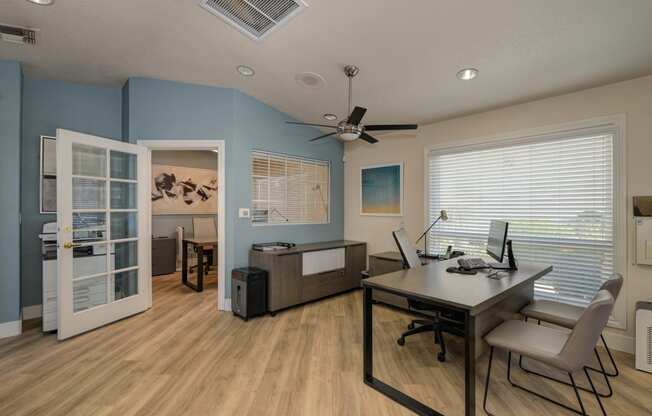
(557, 193)
(289, 190)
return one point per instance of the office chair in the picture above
(204, 227)
(417, 326)
(565, 315)
(554, 347)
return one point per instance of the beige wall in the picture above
(632, 98)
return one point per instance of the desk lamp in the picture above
(443, 215)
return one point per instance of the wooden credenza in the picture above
(312, 271)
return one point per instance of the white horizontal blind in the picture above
(289, 189)
(557, 195)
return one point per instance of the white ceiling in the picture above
(408, 51)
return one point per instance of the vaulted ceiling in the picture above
(408, 51)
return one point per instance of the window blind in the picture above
(289, 189)
(556, 194)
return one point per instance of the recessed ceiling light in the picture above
(42, 2)
(330, 117)
(467, 74)
(310, 80)
(245, 71)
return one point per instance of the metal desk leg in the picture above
(200, 267)
(184, 263)
(367, 339)
(469, 365)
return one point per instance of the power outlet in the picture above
(243, 213)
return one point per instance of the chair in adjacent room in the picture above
(566, 316)
(204, 227)
(439, 319)
(567, 352)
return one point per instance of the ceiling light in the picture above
(42, 2)
(245, 71)
(330, 117)
(467, 74)
(215, 150)
(310, 80)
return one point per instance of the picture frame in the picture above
(381, 190)
(48, 175)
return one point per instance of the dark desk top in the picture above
(304, 248)
(471, 292)
(396, 256)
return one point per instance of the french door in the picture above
(103, 231)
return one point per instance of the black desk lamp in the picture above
(443, 215)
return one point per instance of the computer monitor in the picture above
(497, 239)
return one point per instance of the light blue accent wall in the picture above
(10, 115)
(171, 110)
(154, 109)
(48, 105)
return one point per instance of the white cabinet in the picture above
(643, 240)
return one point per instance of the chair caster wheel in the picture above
(411, 325)
(441, 357)
(400, 341)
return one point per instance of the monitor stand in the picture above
(511, 261)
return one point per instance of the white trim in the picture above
(220, 145)
(227, 305)
(619, 342)
(617, 124)
(32, 312)
(11, 329)
(401, 172)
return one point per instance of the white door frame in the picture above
(218, 145)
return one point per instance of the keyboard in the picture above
(472, 263)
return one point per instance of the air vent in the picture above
(255, 18)
(16, 34)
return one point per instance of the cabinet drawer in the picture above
(322, 284)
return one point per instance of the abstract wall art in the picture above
(183, 190)
(381, 190)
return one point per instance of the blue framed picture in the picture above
(381, 190)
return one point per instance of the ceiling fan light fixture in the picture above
(349, 136)
(245, 71)
(467, 74)
(330, 117)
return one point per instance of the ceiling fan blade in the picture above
(321, 137)
(310, 124)
(367, 138)
(356, 115)
(375, 127)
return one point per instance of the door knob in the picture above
(69, 245)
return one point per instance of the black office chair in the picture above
(443, 320)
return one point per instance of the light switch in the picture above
(243, 213)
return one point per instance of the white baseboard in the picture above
(620, 342)
(227, 305)
(32, 312)
(10, 329)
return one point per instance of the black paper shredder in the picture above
(248, 292)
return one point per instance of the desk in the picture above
(198, 245)
(475, 296)
(387, 262)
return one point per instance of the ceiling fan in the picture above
(351, 129)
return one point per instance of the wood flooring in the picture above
(183, 357)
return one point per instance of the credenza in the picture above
(309, 272)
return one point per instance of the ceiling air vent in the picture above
(255, 18)
(16, 34)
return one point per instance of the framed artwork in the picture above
(48, 175)
(183, 190)
(381, 190)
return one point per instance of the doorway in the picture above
(186, 197)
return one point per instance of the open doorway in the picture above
(187, 216)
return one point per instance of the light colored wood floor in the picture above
(183, 357)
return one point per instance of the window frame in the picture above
(613, 124)
(302, 158)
